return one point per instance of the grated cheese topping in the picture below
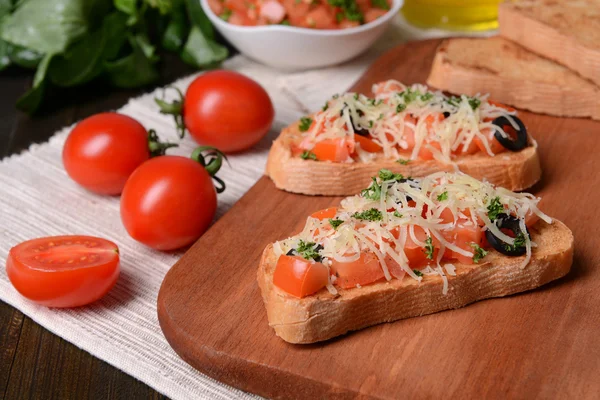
(393, 211)
(408, 120)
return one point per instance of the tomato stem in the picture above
(174, 108)
(213, 164)
(156, 147)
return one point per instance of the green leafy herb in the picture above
(309, 250)
(400, 107)
(335, 222)
(474, 103)
(409, 96)
(442, 196)
(325, 107)
(380, 117)
(478, 253)
(383, 4)
(402, 161)
(285, 22)
(135, 69)
(308, 155)
(349, 8)
(387, 175)
(226, 14)
(202, 52)
(418, 273)
(373, 192)
(305, 123)
(429, 249)
(495, 208)
(519, 243)
(397, 214)
(427, 96)
(453, 101)
(371, 214)
(370, 124)
(355, 96)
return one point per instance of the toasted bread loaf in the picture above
(514, 171)
(567, 31)
(512, 75)
(323, 316)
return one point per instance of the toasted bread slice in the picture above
(514, 171)
(323, 316)
(512, 75)
(567, 32)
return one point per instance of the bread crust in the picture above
(546, 27)
(514, 171)
(323, 316)
(561, 93)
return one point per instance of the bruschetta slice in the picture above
(406, 129)
(406, 247)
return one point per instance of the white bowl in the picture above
(289, 47)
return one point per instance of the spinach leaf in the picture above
(129, 7)
(31, 100)
(115, 31)
(177, 30)
(50, 26)
(199, 19)
(202, 52)
(4, 59)
(23, 57)
(136, 69)
(5, 7)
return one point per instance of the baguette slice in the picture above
(514, 171)
(323, 316)
(567, 32)
(512, 75)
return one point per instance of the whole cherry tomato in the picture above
(63, 271)
(170, 201)
(223, 109)
(104, 149)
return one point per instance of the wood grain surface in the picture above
(539, 344)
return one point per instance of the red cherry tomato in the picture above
(299, 277)
(103, 150)
(227, 110)
(63, 271)
(168, 202)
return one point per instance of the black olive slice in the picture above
(511, 223)
(446, 114)
(513, 145)
(362, 131)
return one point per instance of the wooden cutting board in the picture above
(544, 343)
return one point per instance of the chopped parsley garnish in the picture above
(443, 196)
(519, 243)
(380, 117)
(427, 96)
(474, 103)
(339, 17)
(418, 273)
(355, 96)
(453, 101)
(478, 252)
(383, 4)
(370, 124)
(397, 214)
(387, 175)
(226, 14)
(325, 107)
(335, 96)
(350, 9)
(335, 222)
(306, 155)
(305, 123)
(373, 192)
(400, 107)
(285, 22)
(429, 248)
(495, 208)
(309, 250)
(371, 214)
(409, 96)
(402, 161)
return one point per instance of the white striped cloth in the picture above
(38, 199)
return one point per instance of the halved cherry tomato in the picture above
(363, 271)
(367, 144)
(333, 150)
(103, 150)
(298, 276)
(325, 214)
(63, 271)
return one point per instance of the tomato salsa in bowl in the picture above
(301, 34)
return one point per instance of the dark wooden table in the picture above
(34, 363)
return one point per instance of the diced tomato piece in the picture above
(531, 219)
(299, 277)
(373, 13)
(273, 11)
(463, 236)
(321, 17)
(494, 144)
(416, 253)
(333, 150)
(238, 18)
(216, 6)
(241, 6)
(425, 153)
(363, 271)
(367, 144)
(325, 214)
(409, 131)
(345, 24)
(295, 10)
